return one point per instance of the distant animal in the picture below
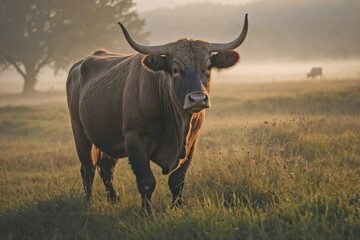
(148, 106)
(314, 72)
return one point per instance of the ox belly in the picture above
(102, 127)
(167, 163)
(108, 140)
(168, 153)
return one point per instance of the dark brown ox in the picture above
(145, 106)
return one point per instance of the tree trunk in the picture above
(29, 84)
(28, 70)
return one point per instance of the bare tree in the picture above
(39, 33)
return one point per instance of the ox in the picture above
(314, 72)
(147, 106)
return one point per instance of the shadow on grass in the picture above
(249, 199)
(59, 218)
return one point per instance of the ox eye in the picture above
(174, 70)
(207, 69)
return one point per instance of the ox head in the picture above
(189, 63)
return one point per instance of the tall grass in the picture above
(280, 161)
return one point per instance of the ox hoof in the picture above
(147, 211)
(177, 203)
(146, 208)
(88, 200)
(113, 198)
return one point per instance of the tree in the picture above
(39, 33)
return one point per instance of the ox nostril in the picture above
(196, 101)
(192, 99)
(197, 98)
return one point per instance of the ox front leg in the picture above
(176, 183)
(106, 166)
(140, 163)
(177, 178)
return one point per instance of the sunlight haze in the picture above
(146, 5)
(285, 39)
(103, 133)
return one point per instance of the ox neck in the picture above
(176, 120)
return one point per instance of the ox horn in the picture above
(159, 50)
(218, 47)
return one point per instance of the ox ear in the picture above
(224, 59)
(156, 62)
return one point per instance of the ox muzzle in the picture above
(196, 101)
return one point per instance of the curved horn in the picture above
(218, 47)
(159, 50)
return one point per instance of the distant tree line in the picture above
(279, 29)
(40, 33)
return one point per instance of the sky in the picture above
(146, 5)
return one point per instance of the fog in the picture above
(242, 73)
(290, 71)
(285, 40)
(279, 30)
(146, 5)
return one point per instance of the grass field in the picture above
(274, 161)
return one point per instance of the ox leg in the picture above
(140, 163)
(83, 147)
(177, 179)
(106, 166)
(176, 182)
(87, 173)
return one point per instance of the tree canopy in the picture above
(39, 33)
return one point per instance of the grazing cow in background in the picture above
(314, 72)
(145, 106)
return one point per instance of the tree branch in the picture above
(17, 67)
(42, 63)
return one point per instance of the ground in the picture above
(274, 161)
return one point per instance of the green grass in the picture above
(274, 161)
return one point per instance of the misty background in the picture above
(285, 39)
(279, 29)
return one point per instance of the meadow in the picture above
(276, 160)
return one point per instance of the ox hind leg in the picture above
(106, 166)
(83, 147)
